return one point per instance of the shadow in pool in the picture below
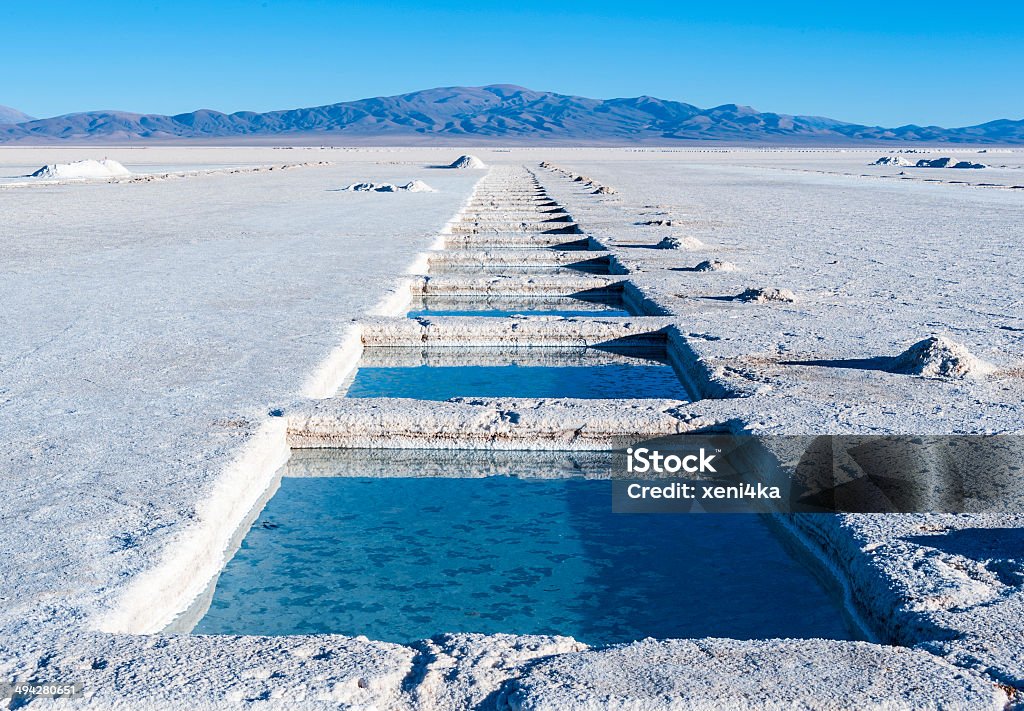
(696, 575)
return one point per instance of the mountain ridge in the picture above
(10, 115)
(496, 113)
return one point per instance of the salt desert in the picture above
(170, 335)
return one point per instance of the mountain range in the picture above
(9, 116)
(495, 114)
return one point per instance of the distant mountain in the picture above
(499, 113)
(9, 115)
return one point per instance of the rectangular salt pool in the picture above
(487, 305)
(539, 372)
(586, 267)
(403, 558)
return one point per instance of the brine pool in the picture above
(504, 306)
(586, 267)
(441, 374)
(403, 555)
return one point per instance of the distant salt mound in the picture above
(679, 243)
(940, 357)
(893, 160)
(105, 168)
(715, 265)
(767, 296)
(947, 162)
(418, 186)
(468, 162)
(413, 186)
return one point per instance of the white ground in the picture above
(149, 328)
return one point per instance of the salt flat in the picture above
(150, 328)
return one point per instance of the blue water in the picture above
(584, 267)
(483, 305)
(401, 559)
(432, 382)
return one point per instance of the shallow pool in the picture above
(539, 372)
(486, 305)
(402, 558)
(585, 267)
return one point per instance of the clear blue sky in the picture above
(886, 63)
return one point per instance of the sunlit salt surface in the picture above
(401, 558)
(485, 305)
(540, 372)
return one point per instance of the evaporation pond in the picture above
(588, 267)
(540, 372)
(484, 305)
(401, 559)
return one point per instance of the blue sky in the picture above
(869, 62)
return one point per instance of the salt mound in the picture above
(940, 357)
(679, 243)
(418, 186)
(715, 265)
(604, 190)
(893, 160)
(767, 295)
(105, 168)
(470, 162)
(947, 162)
(370, 188)
(413, 186)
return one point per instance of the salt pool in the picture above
(486, 305)
(404, 558)
(594, 266)
(539, 372)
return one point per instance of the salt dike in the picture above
(166, 341)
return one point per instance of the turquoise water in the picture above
(587, 267)
(441, 382)
(484, 305)
(402, 559)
